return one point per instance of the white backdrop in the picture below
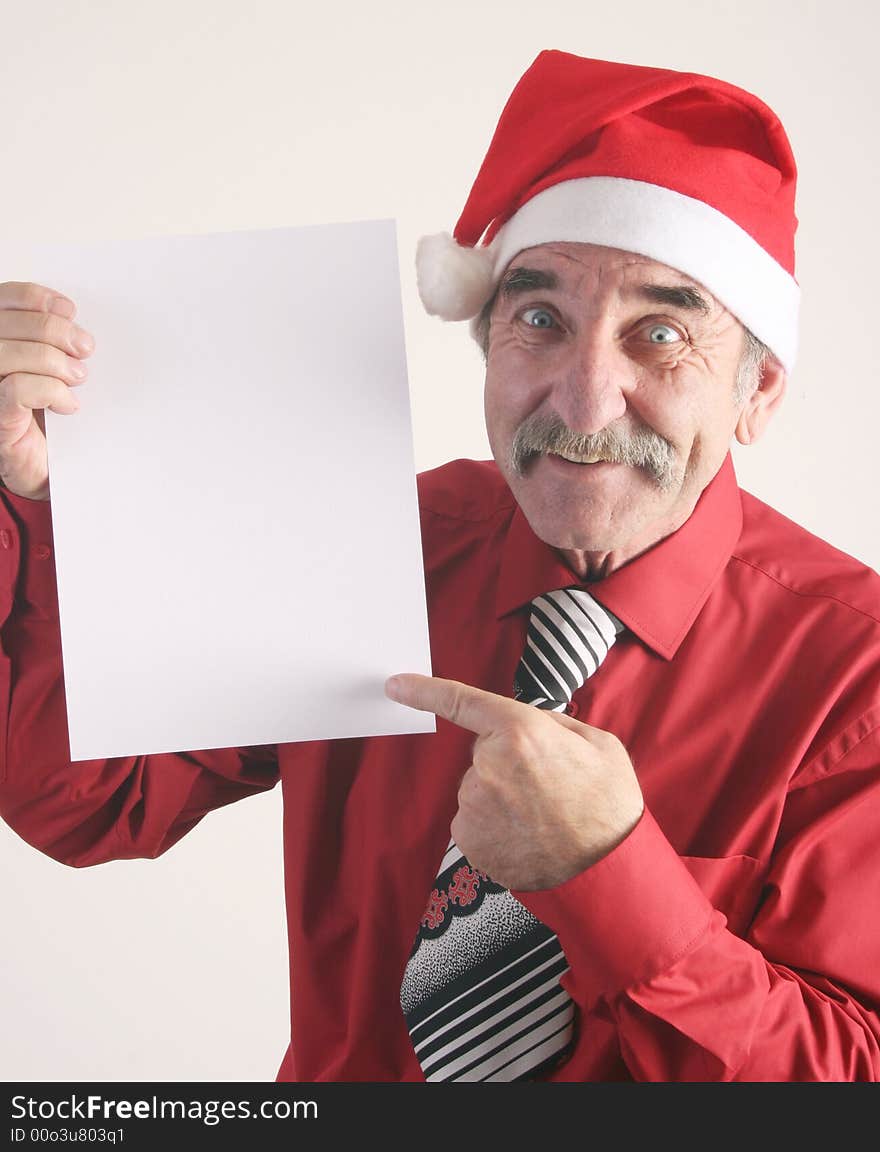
(124, 118)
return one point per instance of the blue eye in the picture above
(663, 334)
(539, 318)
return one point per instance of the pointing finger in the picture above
(472, 708)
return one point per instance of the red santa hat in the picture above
(684, 169)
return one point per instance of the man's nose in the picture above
(592, 391)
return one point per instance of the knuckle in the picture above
(10, 402)
(519, 741)
(458, 830)
(27, 293)
(9, 384)
(453, 704)
(37, 294)
(52, 361)
(23, 292)
(467, 783)
(10, 390)
(607, 741)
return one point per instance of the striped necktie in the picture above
(481, 992)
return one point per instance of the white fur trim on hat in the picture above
(454, 282)
(679, 231)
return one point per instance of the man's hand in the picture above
(41, 354)
(545, 796)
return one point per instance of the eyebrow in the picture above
(519, 280)
(677, 296)
(527, 280)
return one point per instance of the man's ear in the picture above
(763, 402)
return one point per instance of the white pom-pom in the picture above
(454, 282)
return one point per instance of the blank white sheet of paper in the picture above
(234, 506)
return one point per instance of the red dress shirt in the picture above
(733, 935)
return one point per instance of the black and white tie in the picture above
(481, 992)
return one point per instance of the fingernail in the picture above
(392, 688)
(61, 306)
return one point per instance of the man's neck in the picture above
(589, 567)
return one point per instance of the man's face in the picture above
(586, 340)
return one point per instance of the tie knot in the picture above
(569, 635)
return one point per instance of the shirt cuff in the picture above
(27, 565)
(627, 918)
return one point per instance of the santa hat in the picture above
(689, 171)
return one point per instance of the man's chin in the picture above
(597, 531)
(586, 507)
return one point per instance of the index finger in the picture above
(28, 297)
(480, 712)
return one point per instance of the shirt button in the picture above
(42, 551)
(5, 538)
(571, 708)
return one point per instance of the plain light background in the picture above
(124, 119)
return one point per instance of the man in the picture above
(665, 859)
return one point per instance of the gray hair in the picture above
(748, 373)
(751, 364)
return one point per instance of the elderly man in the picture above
(657, 752)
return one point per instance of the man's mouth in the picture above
(573, 458)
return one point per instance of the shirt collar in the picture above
(660, 593)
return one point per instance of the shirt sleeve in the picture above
(794, 996)
(90, 811)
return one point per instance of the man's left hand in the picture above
(545, 796)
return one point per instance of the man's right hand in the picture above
(39, 358)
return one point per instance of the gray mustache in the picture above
(643, 448)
